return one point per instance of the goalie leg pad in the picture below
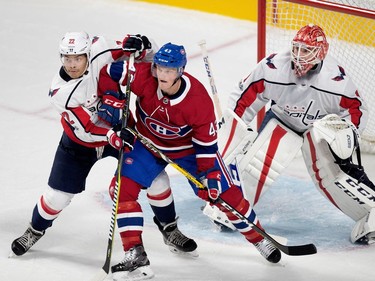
(234, 136)
(273, 150)
(353, 198)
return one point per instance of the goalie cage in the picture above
(349, 26)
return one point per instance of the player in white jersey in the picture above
(86, 121)
(314, 106)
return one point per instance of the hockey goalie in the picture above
(316, 109)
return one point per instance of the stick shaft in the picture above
(210, 76)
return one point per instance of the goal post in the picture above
(350, 29)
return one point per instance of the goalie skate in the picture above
(177, 242)
(218, 218)
(367, 240)
(364, 230)
(135, 266)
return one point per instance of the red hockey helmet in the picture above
(309, 47)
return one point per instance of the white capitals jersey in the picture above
(77, 99)
(298, 102)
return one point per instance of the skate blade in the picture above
(12, 255)
(370, 240)
(192, 254)
(141, 273)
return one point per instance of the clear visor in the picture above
(73, 59)
(170, 71)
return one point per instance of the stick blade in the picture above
(100, 276)
(300, 250)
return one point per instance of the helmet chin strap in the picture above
(176, 80)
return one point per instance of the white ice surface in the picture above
(74, 248)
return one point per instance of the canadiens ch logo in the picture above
(162, 130)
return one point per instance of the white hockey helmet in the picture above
(75, 43)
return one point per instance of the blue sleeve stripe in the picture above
(115, 70)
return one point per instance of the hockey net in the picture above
(350, 29)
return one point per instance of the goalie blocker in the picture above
(327, 147)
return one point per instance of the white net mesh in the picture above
(351, 39)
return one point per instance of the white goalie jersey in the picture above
(299, 102)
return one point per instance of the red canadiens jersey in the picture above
(298, 102)
(77, 100)
(179, 125)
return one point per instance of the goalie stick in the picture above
(215, 97)
(298, 250)
(102, 274)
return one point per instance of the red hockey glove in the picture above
(124, 139)
(212, 181)
(203, 194)
(136, 44)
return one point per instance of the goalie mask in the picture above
(309, 47)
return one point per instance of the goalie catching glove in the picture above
(136, 44)
(210, 179)
(122, 139)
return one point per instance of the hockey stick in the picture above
(216, 100)
(102, 274)
(298, 250)
(207, 65)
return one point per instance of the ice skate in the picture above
(178, 243)
(135, 266)
(22, 244)
(367, 239)
(364, 230)
(268, 251)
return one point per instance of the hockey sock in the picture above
(130, 224)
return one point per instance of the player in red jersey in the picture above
(176, 114)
